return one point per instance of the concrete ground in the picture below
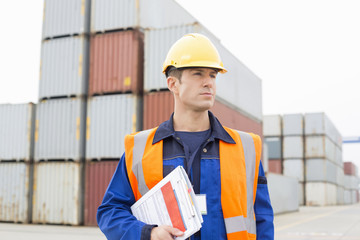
(309, 223)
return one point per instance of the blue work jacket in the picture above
(114, 216)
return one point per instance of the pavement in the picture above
(309, 223)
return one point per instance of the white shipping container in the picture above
(351, 182)
(320, 170)
(65, 17)
(294, 168)
(60, 130)
(347, 196)
(293, 124)
(109, 119)
(272, 126)
(16, 131)
(339, 157)
(339, 176)
(114, 14)
(293, 147)
(301, 194)
(63, 70)
(320, 194)
(15, 185)
(339, 195)
(274, 146)
(57, 193)
(320, 147)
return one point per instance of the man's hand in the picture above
(165, 232)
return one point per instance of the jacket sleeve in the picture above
(263, 210)
(114, 215)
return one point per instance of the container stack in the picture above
(273, 139)
(16, 161)
(293, 150)
(351, 183)
(61, 113)
(324, 166)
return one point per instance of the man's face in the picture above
(197, 88)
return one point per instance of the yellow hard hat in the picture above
(193, 50)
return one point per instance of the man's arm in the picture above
(263, 210)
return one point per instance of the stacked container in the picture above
(61, 115)
(16, 161)
(293, 150)
(351, 183)
(324, 168)
(272, 125)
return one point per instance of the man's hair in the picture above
(174, 72)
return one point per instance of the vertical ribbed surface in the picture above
(59, 129)
(109, 119)
(57, 197)
(98, 176)
(14, 192)
(15, 131)
(63, 67)
(116, 63)
(65, 17)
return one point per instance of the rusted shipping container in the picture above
(116, 63)
(97, 178)
(275, 166)
(350, 168)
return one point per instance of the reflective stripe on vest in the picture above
(239, 168)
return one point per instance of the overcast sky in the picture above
(306, 52)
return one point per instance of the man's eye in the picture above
(197, 73)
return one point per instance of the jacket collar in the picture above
(166, 129)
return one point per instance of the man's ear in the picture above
(171, 84)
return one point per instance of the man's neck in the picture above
(191, 121)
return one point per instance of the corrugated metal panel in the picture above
(350, 168)
(63, 67)
(347, 196)
(57, 193)
(16, 131)
(14, 192)
(114, 14)
(272, 125)
(275, 166)
(293, 124)
(301, 194)
(65, 17)
(293, 147)
(60, 129)
(294, 168)
(245, 93)
(320, 170)
(339, 157)
(339, 195)
(351, 182)
(97, 178)
(274, 146)
(319, 147)
(109, 119)
(320, 194)
(116, 62)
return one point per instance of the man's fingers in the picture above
(174, 231)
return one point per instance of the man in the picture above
(222, 163)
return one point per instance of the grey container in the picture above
(293, 124)
(64, 67)
(60, 130)
(274, 147)
(244, 95)
(16, 132)
(340, 195)
(320, 147)
(65, 17)
(15, 192)
(293, 147)
(109, 119)
(320, 170)
(294, 168)
(272, 125)
(109, 15)
(320, 194)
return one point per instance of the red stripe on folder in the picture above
(172, 206)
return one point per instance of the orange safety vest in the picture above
(239, 170)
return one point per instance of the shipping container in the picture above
(15, 192)
(294, 168)
(64, 67)
(301, 193)
(293, 124)
(320, 147)
(320, 170)
(58, 192)
(340, 176)
(109, 119)
(17, 132)
(293, 147)
(275, 166)
(60, 129)
(339, 157)
(350, 168)
(274, 145)
(272, 125)
(97, 179)
(245, 91)
(351, 182)
(347, 196)
(65, 17)
(110, 15)
(339, 195)
(116, 63)
(320, 194)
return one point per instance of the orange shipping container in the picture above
(116, 63)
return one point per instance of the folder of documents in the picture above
(171, 202)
